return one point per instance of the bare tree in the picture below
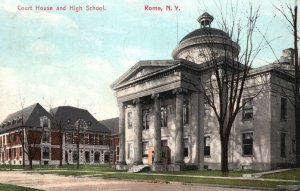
(81, 127)
(20, 105)
(291, 17)
(229, 72)
(57, 130)
(30, 139)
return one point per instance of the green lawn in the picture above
(109, 171)
(240, 183)
(8, 187)
(100, 167)
(209, 173)
(287, 175)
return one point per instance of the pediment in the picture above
(143, 69)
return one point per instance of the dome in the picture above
(203, 43)
(205, 32)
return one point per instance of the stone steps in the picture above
(138, 168)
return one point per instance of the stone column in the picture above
(137, 142)
(156, 138)
(179, 126)
(122, 158)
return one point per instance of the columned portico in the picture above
(137, 141)
(156, 138)
(179, 126)
(122, 159)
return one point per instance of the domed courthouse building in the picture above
(165, 122)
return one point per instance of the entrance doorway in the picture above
(107, 157)
(165, 152)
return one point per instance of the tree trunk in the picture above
(23, 153)
(61, 150)
(30, 162)
(78, 151)
(224, 154)
(297, 125)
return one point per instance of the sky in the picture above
(64, 57)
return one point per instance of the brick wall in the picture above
(36, 153)
(55, 138)
(34, 137)
(55, 153)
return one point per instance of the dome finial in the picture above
(205, 20)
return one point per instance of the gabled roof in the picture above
(112, 124)
(142, 69)
(30, 115)
(69, 115)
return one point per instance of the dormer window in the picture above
(44, 121)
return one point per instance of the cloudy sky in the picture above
(71, 58)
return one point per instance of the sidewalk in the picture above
(259, 174)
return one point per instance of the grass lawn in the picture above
(8, 187)
(287, 175)
(82, 167)
(251, 183)
(109, 171)
(210, 173)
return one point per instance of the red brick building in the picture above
(33, 134)
(113, 125)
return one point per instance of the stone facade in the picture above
(165, 122)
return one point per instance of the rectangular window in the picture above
(21, 151)
(185, 147)
(206, 106)
(207, 146)
(87, 156)
(282, 144)
(146, 119)
(248, 144)
(75, 138)
(74, 156)
(86, 138)
(248, 108)
(45, 123)
(164, 143)
(145, 149)
(101, 139)
(81, 138)
(129, 120)
(69, 138)
(185, 113)
(46, 137)
(15, 152)
(45, 153)
(130, 151)
(283, 113)
(294, 146)
(118, 150)
(163, 117)
(91, 139)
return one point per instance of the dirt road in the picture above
(70, 183)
